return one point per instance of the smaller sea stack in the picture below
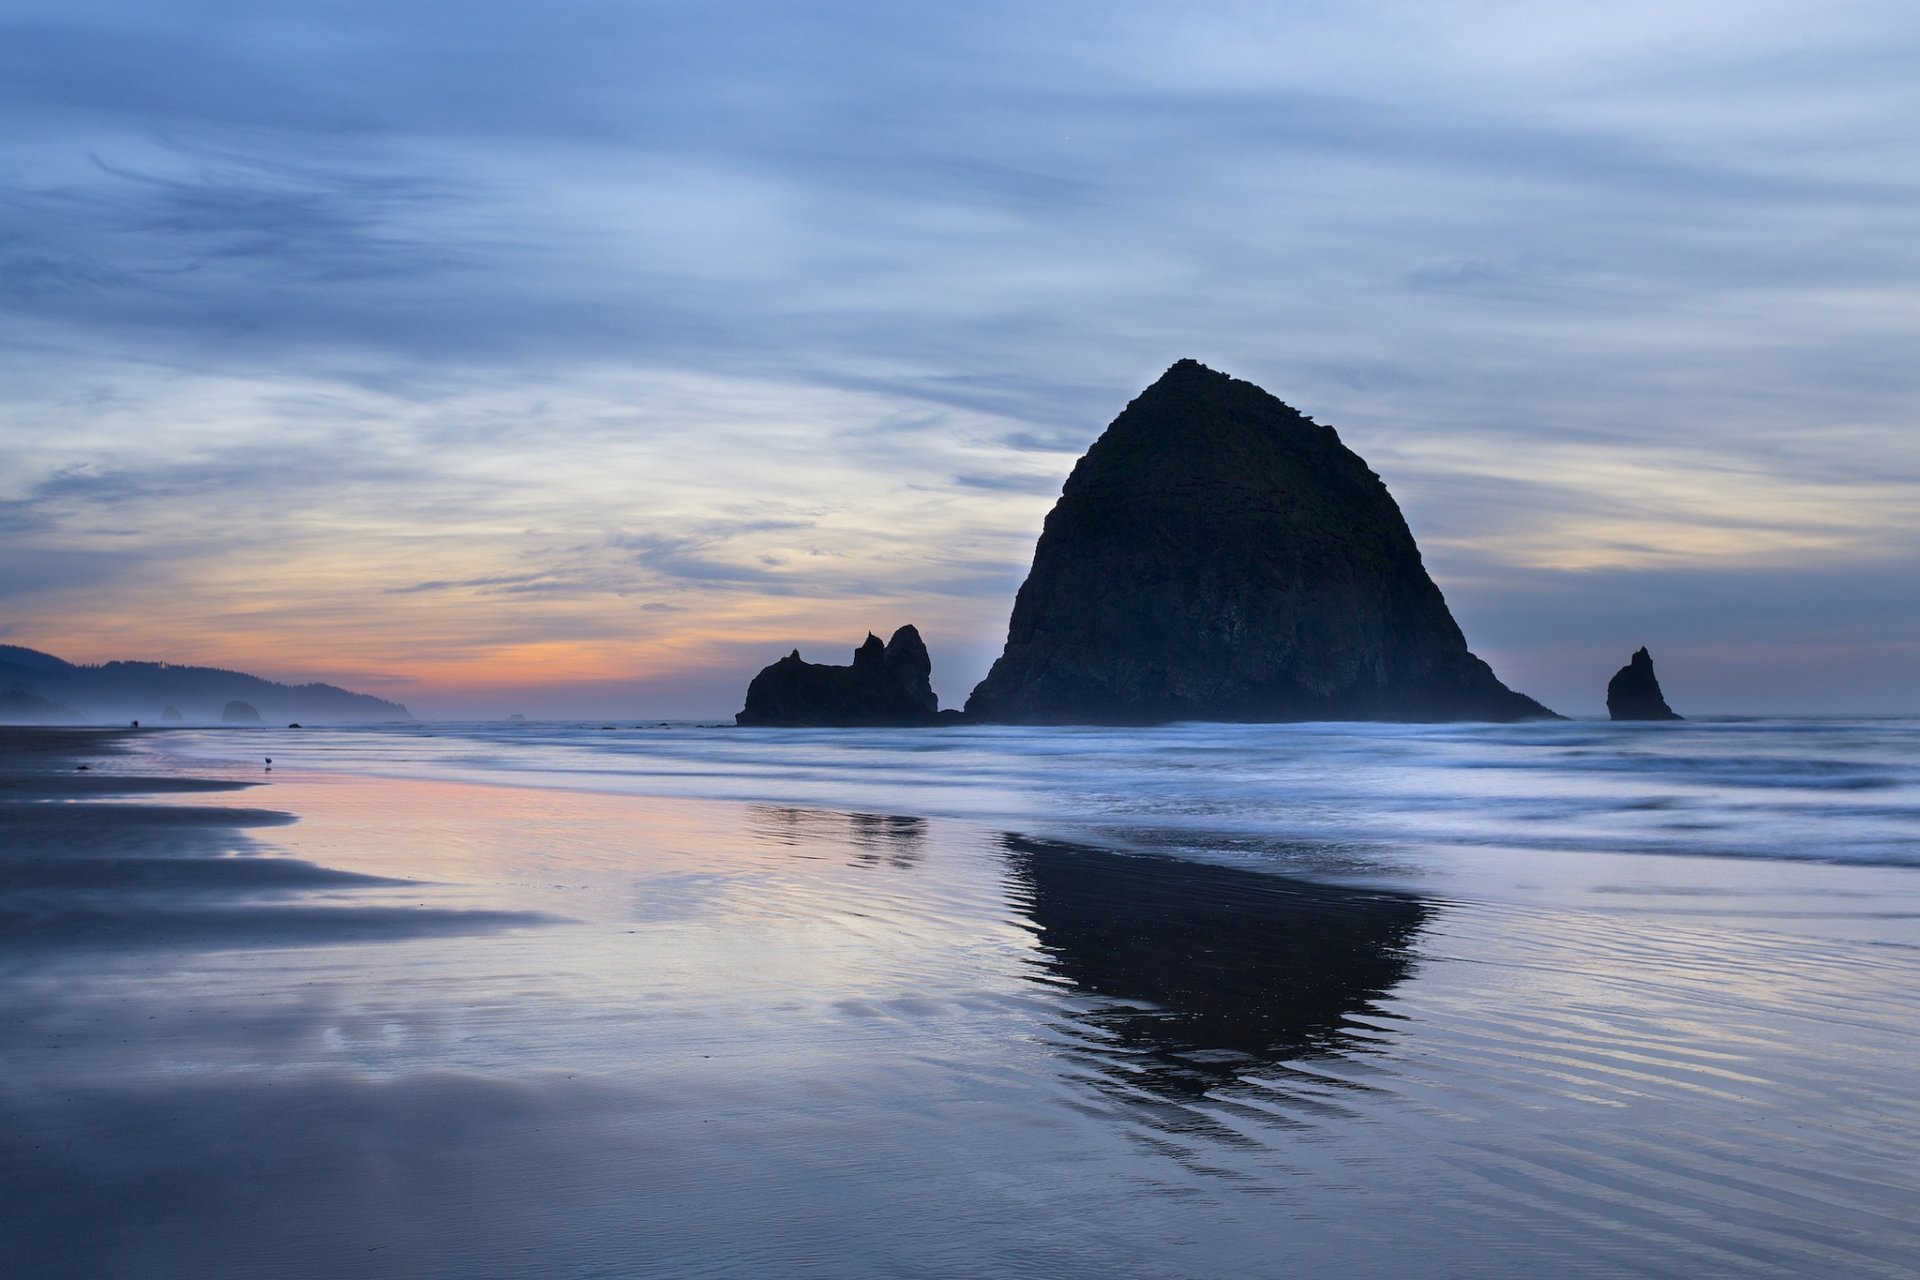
(888, 685)
(1634, 692)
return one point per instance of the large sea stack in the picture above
(1634, 692)
(887, 684)
(1217, 555)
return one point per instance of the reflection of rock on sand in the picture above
(1211, 971)
(894, 839)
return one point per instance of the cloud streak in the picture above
(433, 331)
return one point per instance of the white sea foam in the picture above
(1840, 791)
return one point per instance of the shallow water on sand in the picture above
(1398, 1006)
(1808, 790)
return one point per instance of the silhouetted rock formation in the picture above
(237, 712)
(122, 691)
(1218, 556)
(1634, 692)
(887, 684)
(907, 658)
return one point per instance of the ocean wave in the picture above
(1843, 791)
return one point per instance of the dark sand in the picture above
(450, 1030)
(83, 866)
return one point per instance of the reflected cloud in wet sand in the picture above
(778, 1040)
(99, 872)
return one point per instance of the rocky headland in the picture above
(18, 707)
(1217, 555)
(887, 684)
(116, 692)
(1634, 692)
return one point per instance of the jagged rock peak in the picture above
(1634, 692)
(907, 657)
(1218, 555)
(887, 684)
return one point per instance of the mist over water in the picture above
(1571, 999)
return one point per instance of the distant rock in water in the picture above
(887, 684)
(171, 715)
(1634, 692)
(1216, 555)
(238, 712)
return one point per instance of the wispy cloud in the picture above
(506, 582)
(1011, 482)
(462, 331)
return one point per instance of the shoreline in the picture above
(437, 1029)
(92, 858)
(39, 764)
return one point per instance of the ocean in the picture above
(632, 999)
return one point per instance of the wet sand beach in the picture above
(347, 1023)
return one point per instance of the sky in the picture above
(579, 359)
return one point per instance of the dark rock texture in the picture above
(1218, 556)
(238, 712)
(887, 684)
(1634, 692)
(907, 658)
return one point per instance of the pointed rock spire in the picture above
(1634, 692)
(908, 660)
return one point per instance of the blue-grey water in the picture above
(574, 1000)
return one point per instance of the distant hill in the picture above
(116, 692)
(27, 708)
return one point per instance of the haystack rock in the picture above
(888, 684)
(1634, 692)
(237, 712)
(1216, 555)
